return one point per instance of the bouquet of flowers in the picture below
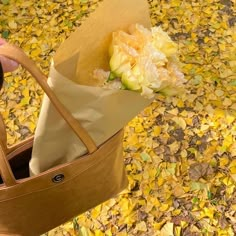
(105, 74)
(144, 61)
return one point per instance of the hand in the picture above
(7, 64)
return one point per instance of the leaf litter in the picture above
(180, 152)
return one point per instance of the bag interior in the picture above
(20, 164)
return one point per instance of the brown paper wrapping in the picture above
(102, 112)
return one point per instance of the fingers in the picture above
(7, 64)
(2, 41)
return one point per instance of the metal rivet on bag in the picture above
(58, 178)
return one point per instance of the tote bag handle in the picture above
(16, 54)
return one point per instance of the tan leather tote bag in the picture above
(34, 205)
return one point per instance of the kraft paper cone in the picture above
(87, 47)
(102, 112)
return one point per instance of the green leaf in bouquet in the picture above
(123, 87)
(112, 76)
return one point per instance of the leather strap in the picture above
(16, 54)
(3, 135)
(6, 172)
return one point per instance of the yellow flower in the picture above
(119, 62)
(163, 42)
(130, 81)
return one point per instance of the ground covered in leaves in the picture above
(179, 152)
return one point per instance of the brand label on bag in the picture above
(58, 178)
